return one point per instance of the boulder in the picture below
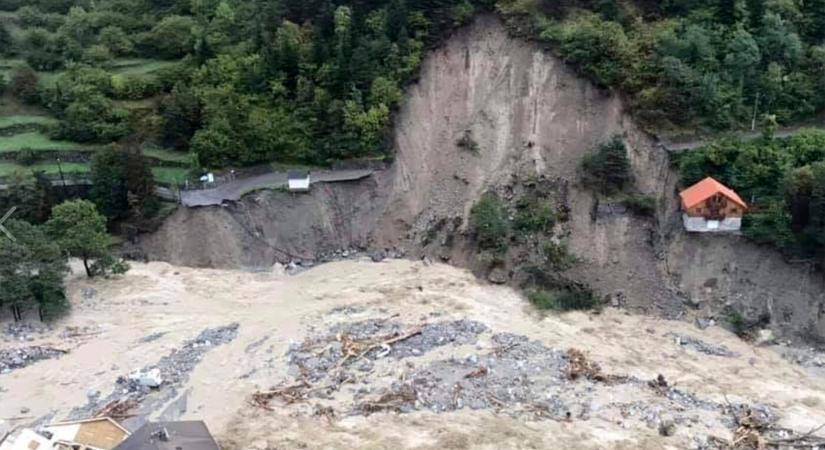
(498, 276)
(764, 337)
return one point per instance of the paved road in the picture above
(677, 147)
(234, 190)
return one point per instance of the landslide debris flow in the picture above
(17, 358)
(367, 367)
(143, 391)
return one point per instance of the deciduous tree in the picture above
(80, 231)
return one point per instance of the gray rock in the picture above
(498, 276)
(378, 256)
(702, 323)
(765, 337)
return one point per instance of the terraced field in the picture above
(169, 175)
(25, 127)
(37, 141)
(10, 168)
(23, 120)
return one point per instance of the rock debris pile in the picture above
(373, 366)
(164, 377)
(17, 358)
(361, 343)
(23, 331)
(701, 346)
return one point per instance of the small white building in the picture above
(298, 180)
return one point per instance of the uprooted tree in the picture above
(81, 232)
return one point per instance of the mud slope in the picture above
(150, 316)
(268, 227)
(532, 119)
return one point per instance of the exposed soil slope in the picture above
(153, 314)
(531, 119)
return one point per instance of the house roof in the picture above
(705, 189)
(186, 435)
(92, 419)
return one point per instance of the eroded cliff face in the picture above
(529, 118)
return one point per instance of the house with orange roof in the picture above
(710, 206)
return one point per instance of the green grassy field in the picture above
(9, 168)
(35, 141)
(12, 121)
(169, 175)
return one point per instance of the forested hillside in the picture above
(239, 82)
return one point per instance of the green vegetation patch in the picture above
(166, 155)
(170, 175)
(563, 299)
(140, 66)
(641, 205)
(20, 120)
(608, 168)
(488, 219)
(35, 141)
(9, 168)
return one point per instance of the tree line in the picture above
(317, 80)
(34, 258)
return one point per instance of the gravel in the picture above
(513, 375)
(315, 357)
(17, 358)
(174, 371)
(702, 346)
(23, 331)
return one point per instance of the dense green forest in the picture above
(240, 82)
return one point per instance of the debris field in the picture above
(140, 392)
(373, 366)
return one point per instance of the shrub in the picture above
(557, 255)
(466, 142)
(608, 169)
(488, 219)
(575, 299)
(23, 84)
(463, 12)
(26, 157)
(171, 38)
(116, 40)
(97, 55)
(641, 205)
(737, 322)
(534, 217)
(134, 87)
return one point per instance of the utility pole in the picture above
(755, 109)
(62, 178)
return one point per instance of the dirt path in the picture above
(234, 190)
(124, 324)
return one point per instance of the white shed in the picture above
(298, 180)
